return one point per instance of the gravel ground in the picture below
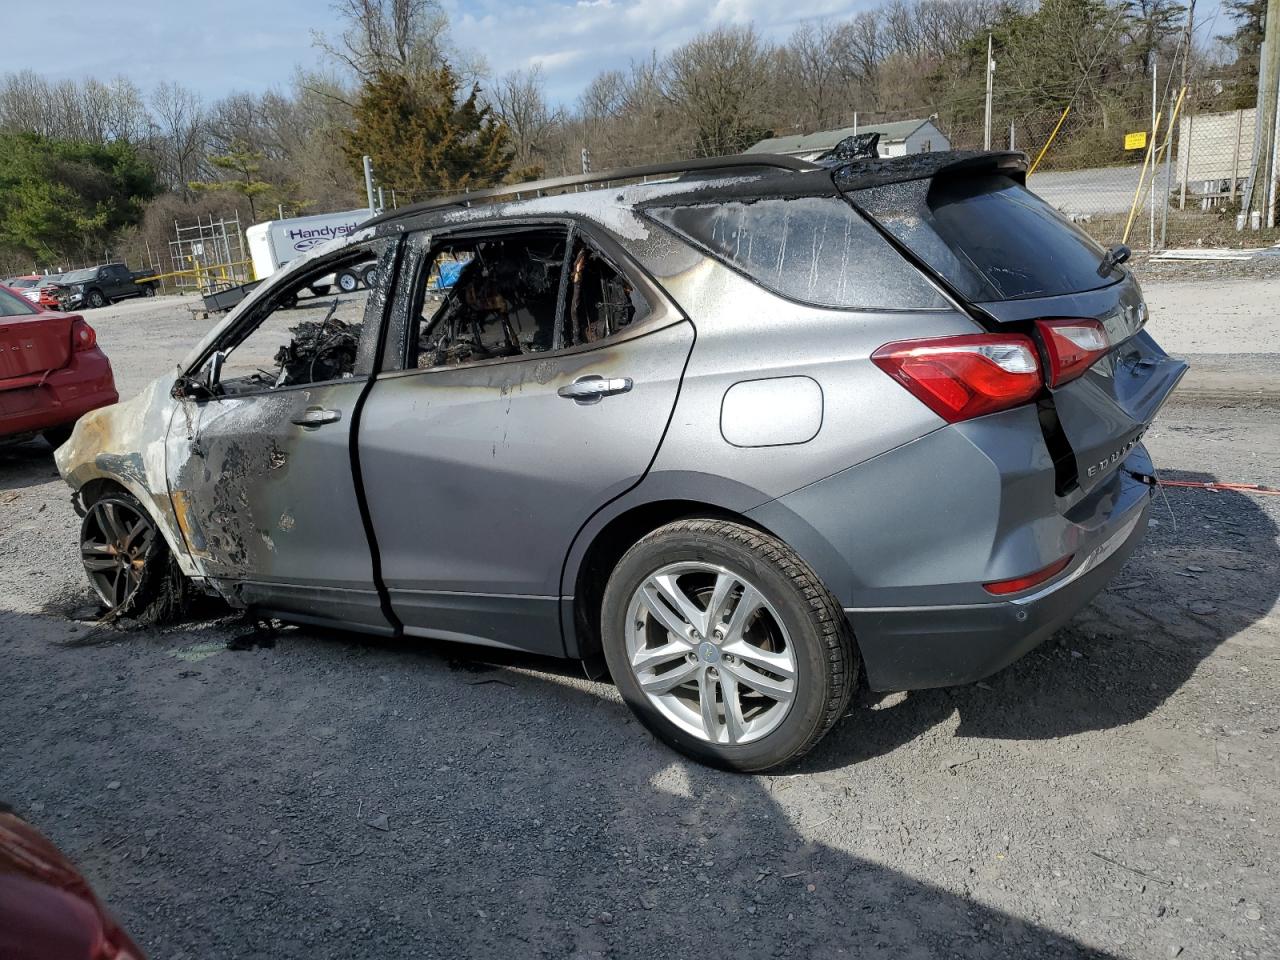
(1112, 794)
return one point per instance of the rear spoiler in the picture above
(877, 172)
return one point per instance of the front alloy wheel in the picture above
(710, 653)
(117, 541)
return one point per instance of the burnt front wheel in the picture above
(726, 645)
(127, 559)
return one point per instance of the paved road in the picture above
(1100, 191)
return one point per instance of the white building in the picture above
(896, 139)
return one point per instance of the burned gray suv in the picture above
(742, 433)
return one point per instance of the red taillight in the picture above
(959, 378)
(1073, 347)
(82, 336)
(1002, 587)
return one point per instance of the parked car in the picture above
(45, 291)
(21, 284)
(48, 911)
(743, 435)
(51, 371)
(99, 286)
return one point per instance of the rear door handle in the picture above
(591, 389)
(317, 417)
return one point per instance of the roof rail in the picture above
(537, 188)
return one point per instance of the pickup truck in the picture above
(99, 286)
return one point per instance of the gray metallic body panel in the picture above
(266, 501)
(740, 328)
(478, 477)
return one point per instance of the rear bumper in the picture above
(912, 648)
(85, 384)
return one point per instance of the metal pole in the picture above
(1267, 115)
(368, 182)
(991, 69)
(855, 123)
(1168, 186)
(1011, 137)
(1151, 218)
(382, 204)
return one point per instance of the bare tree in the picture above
(717, 82)
(810, 73)
(404, 37)
(180, 134)
(519, 102)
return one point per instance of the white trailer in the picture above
(275, 242)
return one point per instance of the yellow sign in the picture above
(1135, 141)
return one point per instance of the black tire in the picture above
(57, 436)
(320, 289)
(148, 290)
(161, 591)
(347, 281)
(96, 299)
(369, 276)
(826, 656)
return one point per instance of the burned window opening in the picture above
(602, 301)
(506, 296)
(310, 331)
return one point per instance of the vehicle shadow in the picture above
(26, 464)
(530, 815)
(1195, 581)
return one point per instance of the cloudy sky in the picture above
(254, 45)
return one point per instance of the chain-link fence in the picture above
(1184, 187)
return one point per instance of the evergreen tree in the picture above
(243, 164)
(423, 139)
(64, 200)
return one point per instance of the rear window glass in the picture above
(11, 305)
(817, 250)
(988, 236)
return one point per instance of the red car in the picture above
(51, 371)
(47, 909)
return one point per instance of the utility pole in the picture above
(1151, 203)
(1264, 181)
(368, 182)
(991, 70)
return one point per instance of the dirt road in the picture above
(1112, 794)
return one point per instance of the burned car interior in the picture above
(525, 291)
(307, 332)
(518, 294)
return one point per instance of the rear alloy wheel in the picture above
(128, 561)
(148, 290)
(369, 276)
(726, 645)
(96, 299)
(348, 282)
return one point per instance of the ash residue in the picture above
(319, 351)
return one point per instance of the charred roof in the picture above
(739, 177)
